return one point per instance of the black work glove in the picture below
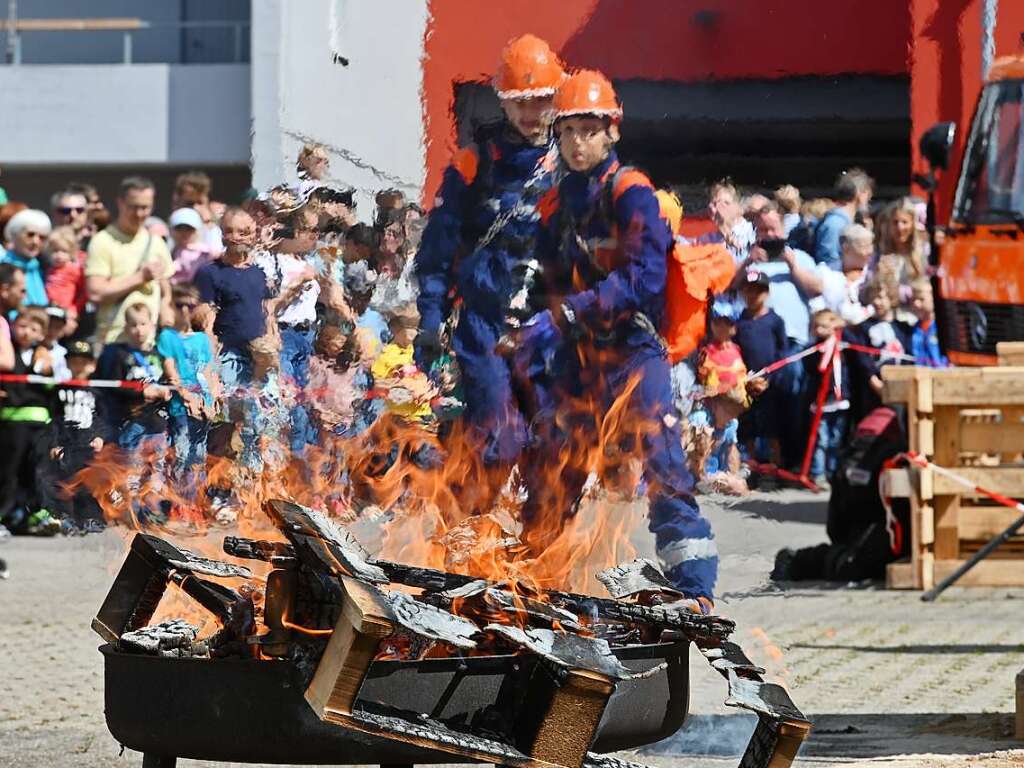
(427, 349)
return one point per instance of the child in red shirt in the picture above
(65, 274)
(722, 375)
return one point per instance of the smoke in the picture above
(717, 735)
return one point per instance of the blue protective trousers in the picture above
(651, 431)
(492, 417)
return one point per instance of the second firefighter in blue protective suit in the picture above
(596, 350)
(477, 252)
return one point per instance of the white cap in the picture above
(186, 217)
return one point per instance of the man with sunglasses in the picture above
(27, 231)
(71, 209)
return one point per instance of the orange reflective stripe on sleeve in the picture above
(548, 205)
(466, 163)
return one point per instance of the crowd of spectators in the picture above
(151, 338)
(806, 272)
(284, 318)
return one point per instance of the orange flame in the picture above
(435, 501)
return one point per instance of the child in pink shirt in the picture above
(189, 252)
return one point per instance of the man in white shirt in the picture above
(294, 281)
(732, 229)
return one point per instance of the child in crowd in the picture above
(881, 331)
(188, 365)
(832, 428)
(140, 418)
(56, 329)
(65, 275)
(722, 376)
(341, 379)
(924, 342)
(761, 337)
(190, 251)
(80, 430)
(406, 390)
(313, 162)
(24, 432)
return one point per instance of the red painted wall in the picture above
(945, 70)
(683, 40)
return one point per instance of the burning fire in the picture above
(432, 502)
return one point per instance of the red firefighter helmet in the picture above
(587, 92)
(528, 68)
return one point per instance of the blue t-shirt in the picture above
(238, 294)
(191, 354)
(826, 239)
(924, 346)
(762, 340)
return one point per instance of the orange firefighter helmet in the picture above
(587, 92)
(528, 68)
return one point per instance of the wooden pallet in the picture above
(971, 421)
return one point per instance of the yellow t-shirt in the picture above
(389, 365)
(114, 254)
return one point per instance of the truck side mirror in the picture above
(936, 144)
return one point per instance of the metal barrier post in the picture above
(127, 50)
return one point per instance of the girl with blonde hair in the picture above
(902, 251)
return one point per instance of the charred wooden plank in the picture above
(636, 577)
(321, 543)
(428, 621)
(278, 553)
(565, 649)
(781, 726)
(365, 619)
(558, 720)
(344, 551)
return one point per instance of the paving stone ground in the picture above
(887, 679)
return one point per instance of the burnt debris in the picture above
(332, 611)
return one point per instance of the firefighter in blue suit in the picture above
(602, 248)
(477, 250)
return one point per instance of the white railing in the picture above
(15, 32)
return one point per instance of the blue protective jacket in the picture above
(602, 248)
(603, 251)
(466, 256)
(487, 179)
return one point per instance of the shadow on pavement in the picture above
(851, 736)
(812, 511)
(919, 649)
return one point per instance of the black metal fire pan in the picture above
(241, 710)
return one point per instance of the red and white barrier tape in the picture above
(50, 381)
(892, 525)
(772, 367)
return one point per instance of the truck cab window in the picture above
(991, 189)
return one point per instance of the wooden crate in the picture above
(971, 421)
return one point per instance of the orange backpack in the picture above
(695, 273)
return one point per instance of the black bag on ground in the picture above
(860, 546)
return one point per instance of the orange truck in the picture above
(980, 254)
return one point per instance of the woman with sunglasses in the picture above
(26, 232)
